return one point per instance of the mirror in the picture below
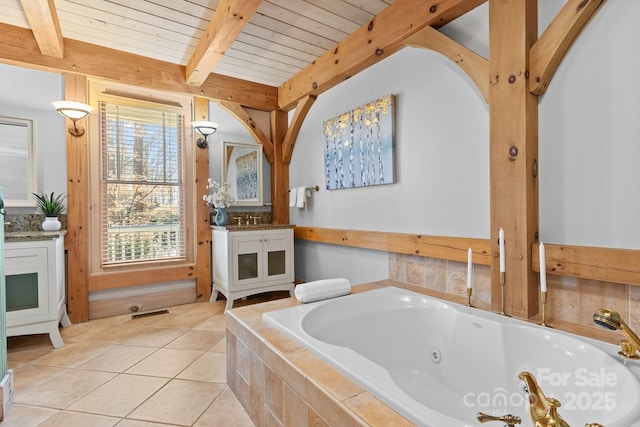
(242, 170)
(18, 167)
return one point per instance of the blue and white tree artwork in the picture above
(359, 146)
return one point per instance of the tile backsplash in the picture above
(569, 299)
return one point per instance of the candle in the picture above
(501, 242)
(469, 269)
(543, 269)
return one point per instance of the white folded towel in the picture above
(301, 196)
(322, 289)
(293, 193)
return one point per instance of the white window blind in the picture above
(142, 194)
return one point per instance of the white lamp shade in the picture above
(205, 127)
(72, 110)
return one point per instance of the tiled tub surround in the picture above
(570, 305)
(280, 383)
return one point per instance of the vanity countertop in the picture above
(24, 236)
(252, 227)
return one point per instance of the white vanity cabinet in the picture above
(247, 262)
(35, 288)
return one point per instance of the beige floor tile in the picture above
(62, 391)
(27, 348)
(182, 320)
(119, 396)
(117, 334)
(179, 402)
(27, 416)
(155, 337)
(72, 355)
(118, 358)
(226, 411)
(210, 308)
(166, 362)
(214, 323)
(69, 419)
(27, 376)
(211, 367)
(197, 340)
(221, 347)
(138, 423)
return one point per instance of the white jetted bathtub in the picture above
(439, 364)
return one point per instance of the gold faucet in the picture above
(610, 319)
(544, 410)
(509, 420)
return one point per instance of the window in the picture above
(142, 194)
(17, 161)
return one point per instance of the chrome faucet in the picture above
(610, 319)
(544, 410)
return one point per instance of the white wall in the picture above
(590, 136)
(589, 148)
(28, 94)
(441, 160)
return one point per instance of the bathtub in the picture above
(438, 363)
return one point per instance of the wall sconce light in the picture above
(204, 128)
(73, 111)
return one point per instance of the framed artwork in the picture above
(359, 146)
(242, 171)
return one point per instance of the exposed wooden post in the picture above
(513, 153)
(203, 229)
(75, 89)
(279, 169)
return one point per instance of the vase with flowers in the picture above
(220, 198)
(51, 206)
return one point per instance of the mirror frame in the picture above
(244, 149)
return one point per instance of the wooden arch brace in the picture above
(549, 50)
(370, 43)
(302, 109)
(243, 116)
(476, 67)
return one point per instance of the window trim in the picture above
(101, 91)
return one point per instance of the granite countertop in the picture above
(251, 227)
(25, 236)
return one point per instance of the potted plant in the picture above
(51, 206)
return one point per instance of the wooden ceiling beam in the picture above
(227, 23)
(369, 44)
(476, 67)
(19, 48)
(43, 18)
(549, 50)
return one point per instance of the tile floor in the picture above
(161, 370)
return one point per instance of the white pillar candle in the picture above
(469, 269)
(501, 242)
(543, 268)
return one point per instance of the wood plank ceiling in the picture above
(280, 38)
